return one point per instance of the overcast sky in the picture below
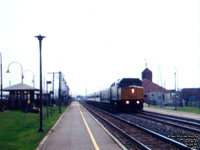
(95, 42)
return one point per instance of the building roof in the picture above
(147, 70)
(152, 87)
(20, 87)
(147, 74)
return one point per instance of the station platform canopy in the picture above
(20, 87)
(19, 94)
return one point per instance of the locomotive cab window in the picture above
(128, 82)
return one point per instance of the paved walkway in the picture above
(173, 112)
(77, 130)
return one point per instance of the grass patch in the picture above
(19, 131)
(189, 109)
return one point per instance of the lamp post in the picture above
(175, 90)
(148, 95)
(65, 92)
(59, 91)
(40, 38)
(33, 76)
(48, 96)
(22, 75)
(53, 83)
(1, 103)
(59, 88)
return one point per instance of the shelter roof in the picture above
(20, 87)
(152, 87)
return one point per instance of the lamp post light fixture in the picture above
(22, 75)
(40, 38)
(33, 76)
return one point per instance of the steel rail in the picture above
(162, 137)
(124, 134)
(172, 124)
(174, 142)
(173, 119)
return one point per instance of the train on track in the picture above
(124, 94)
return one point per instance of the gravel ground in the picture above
(168, 131)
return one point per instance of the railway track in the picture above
(135, 136)
(186, 132)
(170, 116)
(180, 123)
(173, 118)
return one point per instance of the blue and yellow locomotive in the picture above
(124, 94)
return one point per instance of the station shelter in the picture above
(20, 95)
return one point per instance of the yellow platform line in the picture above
(89, 131)
(108, 132)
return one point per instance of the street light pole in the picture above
(60, 75)
(59, 88)
(148, 98)
(175, 89)
(53, 83)
(40, 38)
(22, 75)
(48, 97)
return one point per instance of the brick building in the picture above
(191, 96)
(153, 93)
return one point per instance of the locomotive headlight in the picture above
(127, 102)
(137, 102)
(132, 90)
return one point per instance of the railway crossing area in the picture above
(78, 130)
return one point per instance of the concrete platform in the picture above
(172, 112)
(77, 130)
